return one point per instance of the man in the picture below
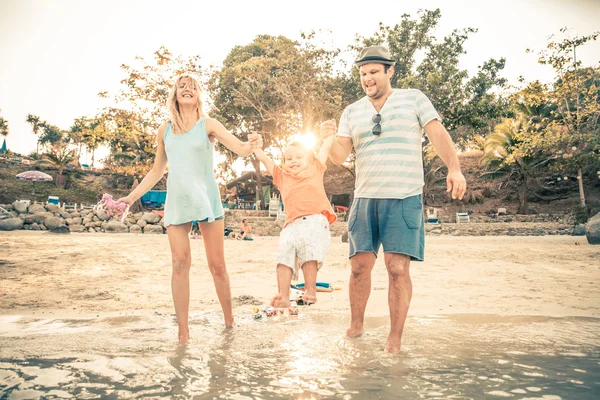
(385, 128)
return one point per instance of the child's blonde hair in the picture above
(173, 105)
(300, 145)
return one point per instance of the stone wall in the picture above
(48, 216)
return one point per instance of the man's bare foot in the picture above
(393, 345)
(309, 297)
(355, 332)
(279, 301)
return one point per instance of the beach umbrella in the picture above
(33, 176)
(3, 149)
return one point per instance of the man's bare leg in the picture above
(360, 289)
(399, 296)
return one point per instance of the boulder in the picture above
(61, 230)
(115, 227)
(76, 228)
(153, 229)
(592, 230)
(135, 229)
(20, 206)
(151, 217)
(578, 230)
(38, 218)
(36, 208)
(54, 222)
(11, 224)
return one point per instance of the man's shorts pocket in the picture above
(412, 211)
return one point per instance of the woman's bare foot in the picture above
(279, 301)
(229, 322)
(355, 332)
(393, 345)
(184, 335)
(309, 297)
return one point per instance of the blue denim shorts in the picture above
(397, 224)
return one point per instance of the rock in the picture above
(73, 221)
(579, 230)
(102, 216)
(135, 229)
(141, 223)
(20, 206)
(116, 227)
(150, 217)
(592, 230)
(52, 207)
(54, 222)
(35, 227)
(37, 218)
(76, 228)
(153, 229)
(11, 224)
(60, 229)
(36, 208)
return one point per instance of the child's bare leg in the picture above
(309, 270)
(284, 278)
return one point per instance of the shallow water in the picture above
(456, 356)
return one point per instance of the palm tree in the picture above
(36, 127)
(506, 157)
(59, 158)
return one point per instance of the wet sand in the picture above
(121, 274)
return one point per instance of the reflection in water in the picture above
(465, 356)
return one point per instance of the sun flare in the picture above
(308, 140)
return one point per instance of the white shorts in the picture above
(305, 239)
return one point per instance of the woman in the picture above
(186, 142)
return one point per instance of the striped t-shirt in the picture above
(389, 166)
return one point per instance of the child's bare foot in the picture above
(229, 322)
(309, 297)
(279, 301)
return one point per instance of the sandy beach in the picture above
(79, 274)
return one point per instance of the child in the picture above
(305, 236)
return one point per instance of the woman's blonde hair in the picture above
(173, 105)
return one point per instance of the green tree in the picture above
(469, 105)
(37, 126)
(573, 131)
(3, 126)
(59, 156)
(276, 87)
(515, 154)
(130, 128)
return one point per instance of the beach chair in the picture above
(462, 218)
(432, 217)
(274, 206)
(53, 200)
(67, 207)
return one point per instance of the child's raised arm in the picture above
(263, 158)
(324, 151)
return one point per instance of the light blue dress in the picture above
(192, 190)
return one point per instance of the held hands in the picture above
(457, 184)
(255, 141)
(328, 128)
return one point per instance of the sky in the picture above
(58, 55)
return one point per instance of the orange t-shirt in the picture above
(303, 193)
